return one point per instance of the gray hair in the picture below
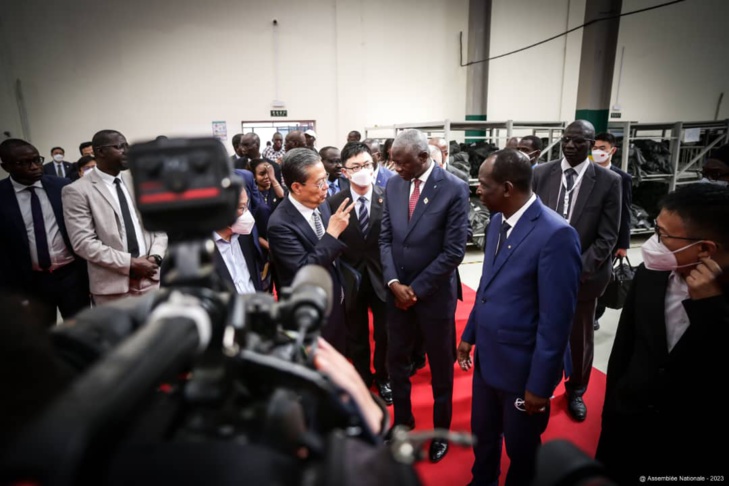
(412, 140)
(295, 164)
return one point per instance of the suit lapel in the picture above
(297, 219)
(584, 194)
(492, 237)
(427, 195)
(101, 188)
(554, 186)
(55, 198)
(246, 246)
(653, 308)
(518, 234)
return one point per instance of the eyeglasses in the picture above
(118, 146)
(320, 184)
(357, 168)
(714, 174)
(660, 236)
(576, 140)
(32, 161)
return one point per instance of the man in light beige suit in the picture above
(106, 229)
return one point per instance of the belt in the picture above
(55, 269)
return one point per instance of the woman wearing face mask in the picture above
(668, 360)
(716, 168)
(237, 259)
(85, 164)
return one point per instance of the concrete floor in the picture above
(470, 271)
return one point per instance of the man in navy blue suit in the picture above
(302, 231)
(422, 242)
(521, 320)
(36, 256)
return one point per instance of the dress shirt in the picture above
(580, 169)
(514, 218)
(355, 197)
(56, 165)
(423, 179)
(335, 184)
(270, 153)
(677, 320)
(305, 212)
(60, 255)
(109, 181)
(236, 263)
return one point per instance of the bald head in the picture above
(577, 141)
(294, 139)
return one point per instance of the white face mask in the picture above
(600, 156)
(718, 183)
(244, 224)
(58, 157)
(363, 178)
(657, 257)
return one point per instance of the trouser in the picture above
(582, 347)
(66, 289)
(358, 333)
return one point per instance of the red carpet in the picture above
(455, 468)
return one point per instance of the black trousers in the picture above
(439, 336)
(358, 333)
(582, 347)
(66, 289)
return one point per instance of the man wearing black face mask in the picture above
(588, 197)
(668, 358)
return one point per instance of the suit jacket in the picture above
(363, 252)
(627, 185)
(94, 223)
(252, 255)
(596, 217)
(16, 268)
(343, 185)
(70, 169)
(525, 303)
(424, 251)
(643, 378)
(383, 175)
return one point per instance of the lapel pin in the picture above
(425, 200)
(379, 200)
(509, 247)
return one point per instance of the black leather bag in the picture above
(617, 290)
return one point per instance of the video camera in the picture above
(194, 384)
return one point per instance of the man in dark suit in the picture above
(304, 231)
(422, 242)
(589, 198)
(59, 167)
(332, 160)
(382, 173)
(521, 320)
(238, 155)
(602, 154)
(238, 259)
(362, 252)
(36, 256)
(661, 414)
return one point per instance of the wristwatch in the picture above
(157, 259)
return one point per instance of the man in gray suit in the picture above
(589, 198)
(105, 228)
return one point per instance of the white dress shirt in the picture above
(307, 213)
(56, 166)
(358, 204)
(677, 320)
(580, 169)
(109, 181)
(236, 263)
(514, 218)
(60, 255)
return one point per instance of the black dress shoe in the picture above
(438, 450)
(576, 408)
(385, 390)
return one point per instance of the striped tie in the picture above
(364, 217)
(317, 224)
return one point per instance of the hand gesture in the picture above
(703, 281)
(142, 268)
(464, 355)
(404, 295)
(271, 173)
(340, 220)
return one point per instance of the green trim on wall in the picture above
(475, 133)
(599, 118)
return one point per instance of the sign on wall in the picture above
(220, 130)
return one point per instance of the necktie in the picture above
(317, 224)
(414, 197)
(132, 244)
(565, 201)
(502, 237)
(59, 170)
(364, 217)
(333, 189)
(39, 228)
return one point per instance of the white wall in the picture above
(148, 69)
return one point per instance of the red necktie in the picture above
(414, 198)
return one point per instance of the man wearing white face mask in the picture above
(59, 167)
(237, 259)
(668, 360)
(602, 154)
